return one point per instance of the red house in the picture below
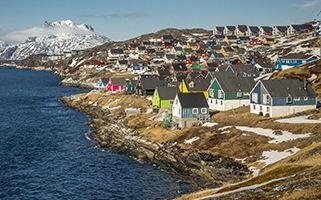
(116, 85)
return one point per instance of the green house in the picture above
(163, 97)
(227, 93)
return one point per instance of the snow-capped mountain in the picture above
(54, 38)
(2, 45)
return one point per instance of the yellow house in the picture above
(269, 41)
(227, 51)
(195, 86)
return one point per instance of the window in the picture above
(211, 92)
(253, 107)
(266, 99)
(296, 99)
(215, 101)
(179, 111)
(195, 111)
(171, 102)
(306, 98)
(254, 97)
(289, 99)
(204, 110)
(176, 101)
(221, 103)
(261, 108)
(239, 94)
(267, 109)
(220, 94)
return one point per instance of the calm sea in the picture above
(45, 152)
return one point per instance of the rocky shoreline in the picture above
(200, 169)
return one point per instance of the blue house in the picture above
(189, 108)
(277, 98)
(293, 60)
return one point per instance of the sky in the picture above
(125, 19)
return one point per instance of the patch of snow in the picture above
(191, 140)
(255, 170)
(270, 157)
(149, 98)
(210, 124)
(312, 78)
(224, 132)
(285, 136)
(298, 120)
(114, 108)
(224, 128)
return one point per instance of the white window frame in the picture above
(211, 92)
(306, 98)
(203, 110)
(220, 94)
(296, 99)
(239, 94)
(195, 111)
(266, 99)
(255, 97)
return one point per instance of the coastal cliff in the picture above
(128, 135)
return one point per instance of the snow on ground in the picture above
(224, 128)
(277, 138)
(298, 120)
(210, 124)
(114, 108)
(191, 140)
(270, 157)
(149, 98)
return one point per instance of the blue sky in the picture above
(125, 19)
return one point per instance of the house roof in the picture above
(264, 63)
(244, 38)
(235, 84)
(167, 92)
(231, 28)
(163, 72)
(231, 37)
(181, 66)
(254, 29)
(296, 56)
(151, 83)
(282, 28)
(118, 81)
(219, 36)
(285, 87)
(116, 51)
(199, 84)
(267, 29)
(192, 100)
(242, 28)
(220, 28)
(123, 62)
(248, 69)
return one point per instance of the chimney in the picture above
(305, 84)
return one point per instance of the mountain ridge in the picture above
(54, 38)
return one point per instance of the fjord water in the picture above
(44, 153)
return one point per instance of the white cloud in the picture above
(18, 36)
(308, 4)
